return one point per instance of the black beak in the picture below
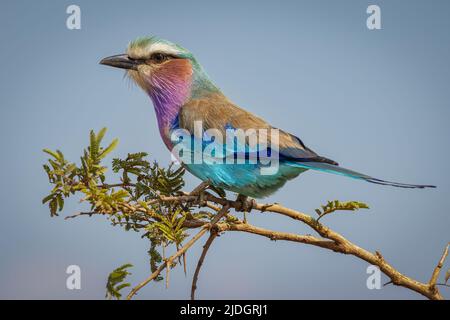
(120, 61)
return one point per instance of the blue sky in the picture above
(375, 101)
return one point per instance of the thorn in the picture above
(379, 255)
(388, 283)
(184, 264)
(167, 274)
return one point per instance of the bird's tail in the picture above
(330, 168)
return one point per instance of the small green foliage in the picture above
(336, 205)
(231, 219)
(134, 164)
(168, 181)
(61, 174)
(91, 161)
(172, 227)
(68, 178)
(151, 180)
(132, 204)
(155, 257)
(115, 282)
(203, 215)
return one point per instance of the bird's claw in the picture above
(199, 192)
(200, 188)
(244, 203)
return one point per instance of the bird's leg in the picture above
(200, 188)
(245, 204)
(220, 192)
(199, 191)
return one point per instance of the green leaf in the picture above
(60, 156)
(52, 153)
(110, 148)
(101, 135)
(333, 206)
(47, 198)
(115, 281)
(60, 200)
(93, 147)
(53, 205)
(123, 285)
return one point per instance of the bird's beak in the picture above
(120, 61)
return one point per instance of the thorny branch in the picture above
(328, 239)
(153, 201)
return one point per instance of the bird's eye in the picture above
(159, 57)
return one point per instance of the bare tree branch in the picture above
(274, 235)
(437, 270)
(331, 240)
(208, 243)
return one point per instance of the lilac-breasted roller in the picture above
(183, 94)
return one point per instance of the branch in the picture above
(344, 246)
(208, 243)
(328, 239)
(79, 214)
(437, 270)
(338, 242)
(275, 235)
(210, 240)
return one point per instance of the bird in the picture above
(183, 95)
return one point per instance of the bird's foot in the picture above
(200, 191)
(244, 204)
(200, 188)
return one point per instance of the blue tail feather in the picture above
(325, 167)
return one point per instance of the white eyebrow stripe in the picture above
(163, 48)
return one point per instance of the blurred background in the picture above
(375, 101)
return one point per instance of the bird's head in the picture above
(166, 71)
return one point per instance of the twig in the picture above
(208, 243)
(184, 264)
(219, 215)
(437, 270)
(115, 185)
(167, 274)
(211, 206)
(387, 283)
(90, 214)
(200, 188)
